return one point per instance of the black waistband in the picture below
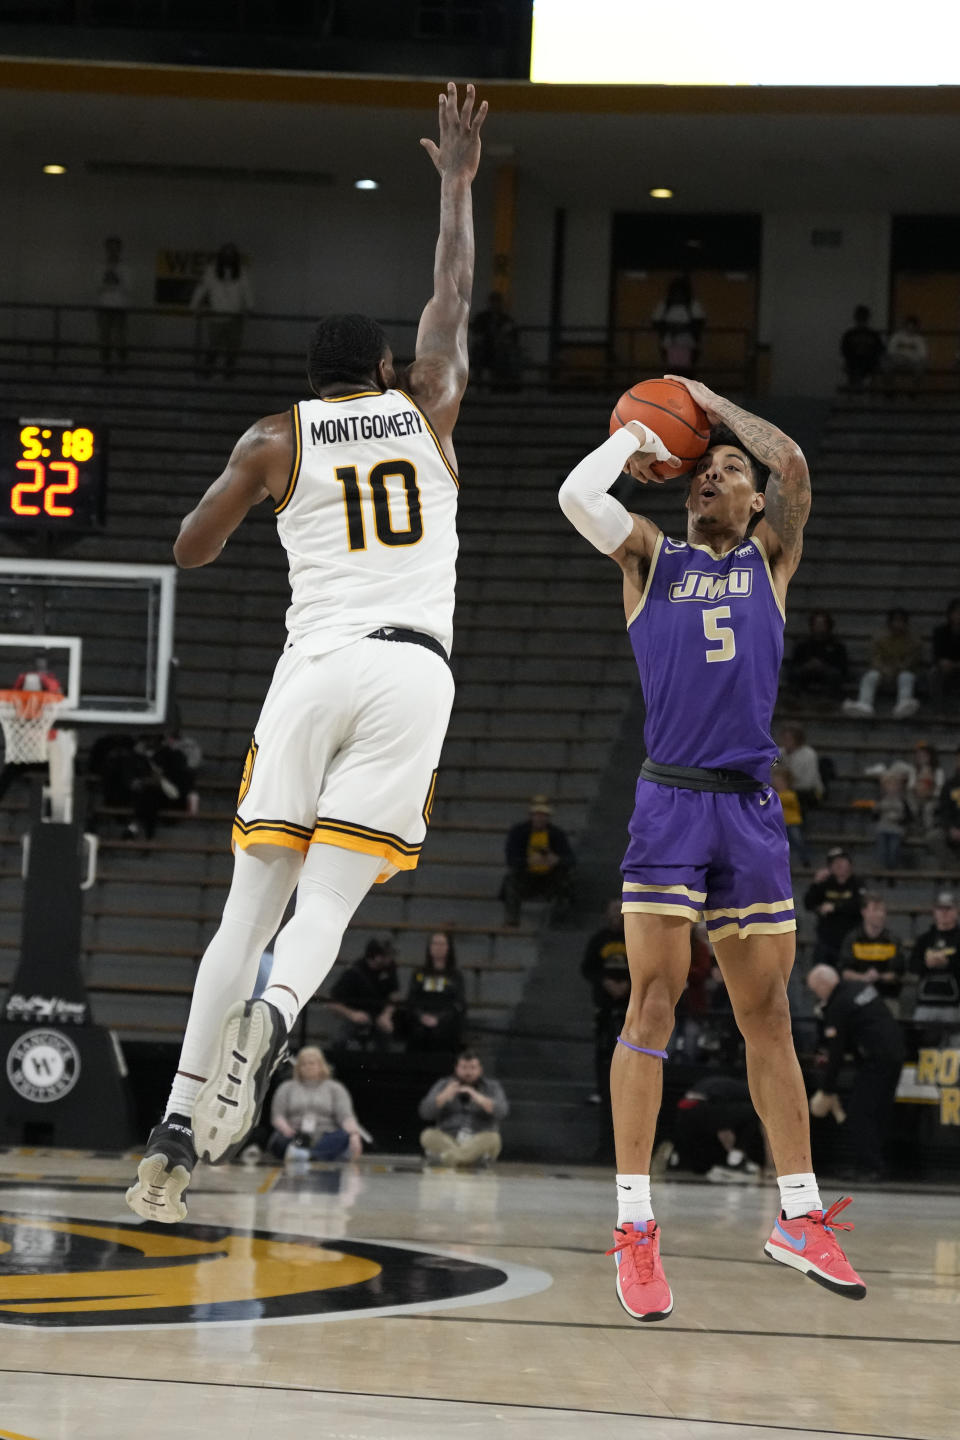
(690, 777)
(410, 637)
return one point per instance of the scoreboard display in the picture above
(52, 476)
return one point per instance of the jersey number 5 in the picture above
(722, 634)
(377, 480)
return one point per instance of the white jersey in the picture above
(368, 522)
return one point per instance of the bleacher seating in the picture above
(543, 669)
(534, 712)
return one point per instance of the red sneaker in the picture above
(809, 1245)
(642, 1287)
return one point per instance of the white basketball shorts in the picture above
(346, 750)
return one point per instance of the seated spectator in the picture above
(312, 1114)
(872, 954)
(803, 764)
(149, 775)
(936, 961)
(856, 1022)
(436, 1003)
(947, 817)
(605, 944)
(895, 657)
(611, 998)
(39, 677)
(717, 1132)
(692, 1008)
(945, 673)
(891, 816)
(605, 957)
(924, 783)
(836, 898)
(495, 346)
(463, 1113)
(539, 863)
(818, 667)
(367, 995)
(907, 352)
(862, 349)
(782, 782)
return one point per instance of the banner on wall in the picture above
(934, 1080)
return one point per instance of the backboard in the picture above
(104, 629)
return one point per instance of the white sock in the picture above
(332, 884)
(799, 1194)
(183, 1092)
(283, 1000)
(263, 881)
(633, 1199)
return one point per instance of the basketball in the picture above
(668, 409)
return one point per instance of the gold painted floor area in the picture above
(751, 1350)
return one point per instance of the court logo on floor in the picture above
(71, 1273)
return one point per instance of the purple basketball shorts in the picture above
(721, 858)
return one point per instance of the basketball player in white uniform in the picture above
(338, 783)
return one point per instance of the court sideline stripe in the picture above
(13, 1435)
(681, 1330)
(263, 1386)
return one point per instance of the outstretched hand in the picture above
(458, 153)
(701, 393)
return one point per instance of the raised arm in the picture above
(438, 376)
(259, 467)
(780, 530)
(610, 527)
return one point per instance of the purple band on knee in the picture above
(642, 1049)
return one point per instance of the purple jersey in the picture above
(708, 640)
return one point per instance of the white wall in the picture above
(808, 293)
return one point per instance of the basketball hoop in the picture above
(26, 717)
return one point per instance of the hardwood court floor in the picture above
(214, 1329)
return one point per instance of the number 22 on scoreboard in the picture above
(52, 491)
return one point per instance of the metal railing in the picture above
(41, 337)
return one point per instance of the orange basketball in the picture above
(668, 409)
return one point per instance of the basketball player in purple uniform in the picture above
(705, 617)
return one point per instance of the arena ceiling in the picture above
(719, 149)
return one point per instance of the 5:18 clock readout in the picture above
(56, 479)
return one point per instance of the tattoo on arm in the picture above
(788, 489)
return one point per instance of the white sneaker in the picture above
(296, 1155)
(905, 708)
(252, 1044)
(857, 707)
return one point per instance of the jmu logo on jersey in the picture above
(700, 585)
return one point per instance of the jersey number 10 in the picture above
(377, 480)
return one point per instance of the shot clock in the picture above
(52, 476)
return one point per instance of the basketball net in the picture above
(26, 717)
